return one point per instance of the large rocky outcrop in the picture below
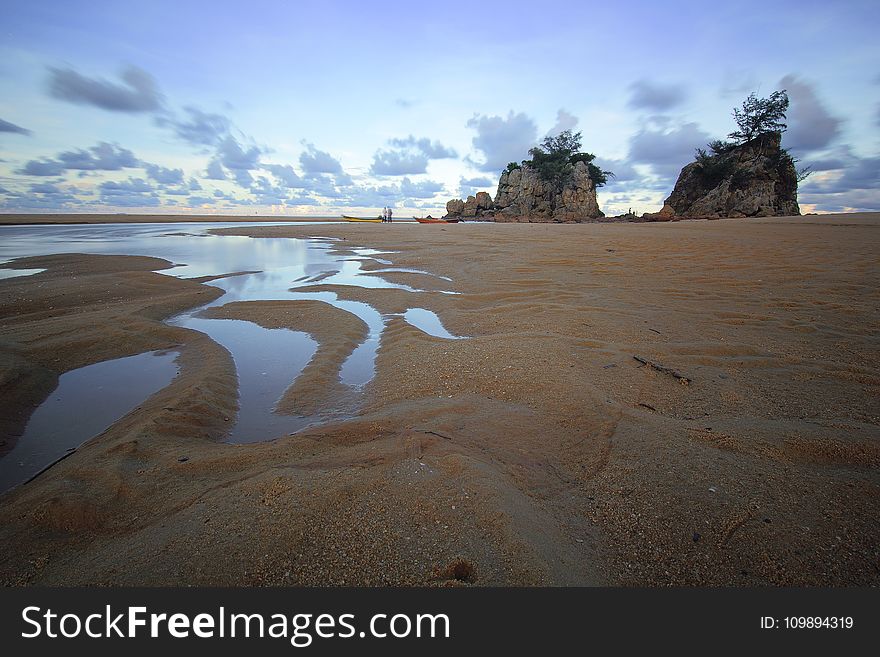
(756, 179)
(523, 196)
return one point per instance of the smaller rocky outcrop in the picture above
(523, 196)
(455, 208)
(475, 206)
(754, 179)
(666, 213)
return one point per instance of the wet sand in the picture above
(538, 451)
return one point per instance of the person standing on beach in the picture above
(384, 214)
(389, 215)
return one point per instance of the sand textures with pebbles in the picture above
(539, 450)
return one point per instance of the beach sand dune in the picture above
(740, 448)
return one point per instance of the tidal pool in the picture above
(15, 273)
(428, 322)
(86, 403)
(267, 361)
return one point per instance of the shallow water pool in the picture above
(86, 403)
(267, 361)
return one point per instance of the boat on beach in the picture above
(362, 219)
(430, 220)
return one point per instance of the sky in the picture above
(317, 108)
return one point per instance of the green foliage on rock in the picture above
(760, 116)
(712, 168)
(757, 118)
(597, 175)
(555, 158)
(720, 147)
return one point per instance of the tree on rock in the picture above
(749, 175)
(555, 158)
(760, 116)
(759, 120)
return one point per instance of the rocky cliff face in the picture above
(756, 179)
(523, 196)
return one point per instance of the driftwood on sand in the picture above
(665, 370)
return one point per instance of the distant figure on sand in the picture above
(389, 215)
(385, 213)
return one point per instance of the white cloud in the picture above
(502, 140)
(656, 96)
(314, 161)
(564, 121)
(810, 125)
(137, 93)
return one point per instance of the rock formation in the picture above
(455, 208)
(666, 214)
(755, 179)
(523, 196)
(480, 203)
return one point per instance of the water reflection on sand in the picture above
(267, 361)
(86, 402)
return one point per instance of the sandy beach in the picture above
(686, 403)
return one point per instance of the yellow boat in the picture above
(360, 220)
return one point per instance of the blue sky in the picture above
(314, 108)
